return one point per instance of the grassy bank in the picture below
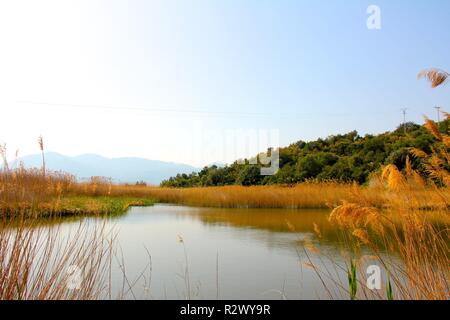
(30, 193)
(305, 195)
(33, 193)
(74, 206)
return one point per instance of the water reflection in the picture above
(230, 253)
(252, 253)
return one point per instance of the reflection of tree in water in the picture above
(272, 220)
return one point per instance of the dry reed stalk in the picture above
(35, 262)
(410, 246)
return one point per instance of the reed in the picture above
(31, 193)
(303, 195)
(435, 76)
(410, 246)
(28, 192)
(36, 263)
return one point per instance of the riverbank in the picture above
(74, 206)
(59, 196)
(301, 196)
(38, 193)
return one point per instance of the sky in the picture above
(173, 80)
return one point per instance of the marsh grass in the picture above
(304, 195)
(28, 192)
(36, 262)
(31, 193)
(38, 192)
(406, 242)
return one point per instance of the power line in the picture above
(151, 109)
(183, 111)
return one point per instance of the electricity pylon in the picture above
(404, 119)
(438, 109)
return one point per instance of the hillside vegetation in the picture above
(344, 158)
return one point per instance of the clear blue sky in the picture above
(306, 68)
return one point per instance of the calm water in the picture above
(230, 253)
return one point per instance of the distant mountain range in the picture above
(125, 170)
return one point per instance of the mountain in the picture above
(126, 170)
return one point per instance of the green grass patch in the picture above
(75, 206)
(85, 205)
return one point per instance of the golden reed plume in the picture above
(435, 76)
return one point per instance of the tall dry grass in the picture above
(27, 190)
(304, 195)
(411, 249)
(37, 263)
(41, 192)
(35, 193)
(410, 246)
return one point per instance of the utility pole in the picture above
(438, 109)
(404, 119)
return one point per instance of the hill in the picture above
(343, 157)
